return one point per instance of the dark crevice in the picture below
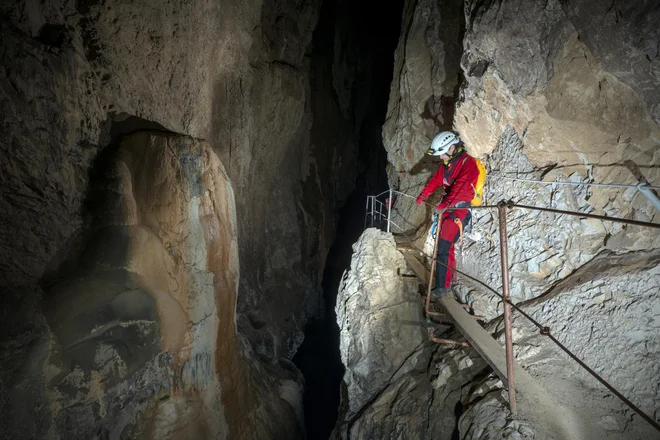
(458, 412)
(370, 56)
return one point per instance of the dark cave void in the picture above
(373, 31)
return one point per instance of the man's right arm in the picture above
(432, 185)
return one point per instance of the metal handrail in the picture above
(540, 208)
(581, 214)
(508, 318)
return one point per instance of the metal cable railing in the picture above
(384, 216)
(544, 330)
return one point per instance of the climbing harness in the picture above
(435, 224)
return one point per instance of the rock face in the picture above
(552, 91)
(143, 339)
(371, 306)
(137, 299)
(238, 75)
(397, 384)
(582, 122)
(400, 385)
(234, 74)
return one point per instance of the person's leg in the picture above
(449, 233)
(442, 272)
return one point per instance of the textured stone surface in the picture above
(238, 74)
(488, 418)
(582, 311)
(624, 38)
(422, 97)
(143, 339)
(397, 384)
(426, 80)
(517, 38)
(554, 91)
(439, 392)
(234, 74)
(379, 319)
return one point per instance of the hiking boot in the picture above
(439, 292)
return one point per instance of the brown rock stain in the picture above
(162, 228)
(216, 214)
(163, 251)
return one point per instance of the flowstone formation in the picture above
(552, 91)
(143, 339)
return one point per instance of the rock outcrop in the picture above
(397, 384)
(143, 340)
(552, 91)
(579, 120)
(400, 385)
(379, 318)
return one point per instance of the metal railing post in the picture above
(366, 212)
(506, 294)
(389, 210)
(434, 263)
(373, 201)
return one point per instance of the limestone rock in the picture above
(379, 319)
(550, 96)
(234, 74)
(489, 419)
(423, 89)
(606, 314)
(143, 339)
(517, 38)
(79, 75)
(393, 385)
(624, 39)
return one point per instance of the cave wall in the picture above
(550, 91)
(578, 118)
(240, 76)
(143, 340)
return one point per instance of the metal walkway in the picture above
(538, 406)
(479, 339)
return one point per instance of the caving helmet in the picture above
(441, 143)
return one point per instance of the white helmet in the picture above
(441, 143)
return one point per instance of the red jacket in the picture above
(458, 177)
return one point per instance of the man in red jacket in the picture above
(458, 175)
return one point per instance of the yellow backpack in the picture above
(479, 186)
